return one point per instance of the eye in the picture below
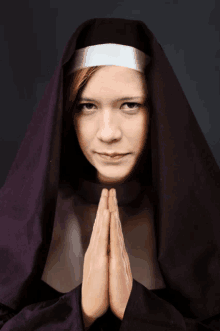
(85, 106)
(132, 105)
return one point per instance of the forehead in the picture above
(115, 79)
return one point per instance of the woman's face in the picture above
(113, 118)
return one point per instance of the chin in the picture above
(111, 180)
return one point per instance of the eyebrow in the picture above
(120, 99)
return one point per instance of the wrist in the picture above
(87, 320)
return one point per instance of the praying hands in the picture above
(107, 277)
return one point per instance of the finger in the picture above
(116, 252)
(121, 238)
(119, 232)
(124, 254)
(116, 209)
(115, 221)
(115, 244)
(103, 203)
(103, 235)
(111, 202)
(115, 201)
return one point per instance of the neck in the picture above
(126, 192)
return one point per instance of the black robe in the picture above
(185, 186)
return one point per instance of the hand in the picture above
(120, 276)
(95, 284)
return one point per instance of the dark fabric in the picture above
(124, 32)
(63, 313)
(186, 182)
(145, 311)
(47, 292)
(126, 192)
(6, 314)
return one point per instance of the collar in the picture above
(125, 192)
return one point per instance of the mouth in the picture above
(112, 154)
(112, 157)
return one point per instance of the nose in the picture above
(109, 126)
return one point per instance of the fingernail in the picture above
(104, 192)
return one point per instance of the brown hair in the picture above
(72, 159)
(74, 85)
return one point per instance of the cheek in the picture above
(84, 134)
(138, 133)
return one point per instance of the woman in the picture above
(160, 267)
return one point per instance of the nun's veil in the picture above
(185, 178)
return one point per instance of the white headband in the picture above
(108, 55)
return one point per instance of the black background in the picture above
(33, 35)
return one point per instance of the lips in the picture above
(112, 158)
(113, 154)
